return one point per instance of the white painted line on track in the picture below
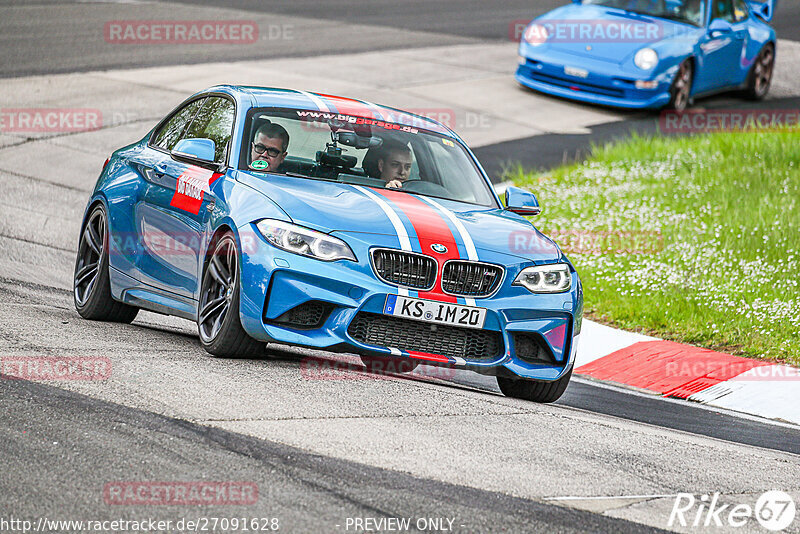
(609, 497)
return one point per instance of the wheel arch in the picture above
(222, 229)
(694, 62)
(94, 201)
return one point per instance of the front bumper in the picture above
(276, 284)
(606, 83)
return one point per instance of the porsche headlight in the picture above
(555, 278)
(646, 59)
(536, 34)
(304, 241)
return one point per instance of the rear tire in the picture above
(91, 285)
(534, 390)
(218, 324)
(759, 80)
(388, 364)
(681, 90)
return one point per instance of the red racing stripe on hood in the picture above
(431, 228)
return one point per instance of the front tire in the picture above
(534, 390)
(681, 90)
(760, 78)
(221, 332)
(91, 285)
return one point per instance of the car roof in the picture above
(311, 101)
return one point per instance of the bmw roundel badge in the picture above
(437, 247)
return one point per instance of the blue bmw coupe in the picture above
(270, 215)
(650, 54)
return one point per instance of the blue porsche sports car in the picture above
(650, 54)
(270, 215)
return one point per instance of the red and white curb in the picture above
(683, 371)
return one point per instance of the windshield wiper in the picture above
(299, 175)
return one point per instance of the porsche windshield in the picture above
(361, 151)
(689, 11)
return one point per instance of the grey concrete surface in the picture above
(453, 434)
(61, 449)
(73, 34)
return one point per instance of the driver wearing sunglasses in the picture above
(270, 144)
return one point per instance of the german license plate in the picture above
(434, 312)
(576, 72)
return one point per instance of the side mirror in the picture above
(763, 8)
(522, 202)
(719, 27)
(195, 151)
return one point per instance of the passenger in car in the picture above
(269, 147)
(394, 164)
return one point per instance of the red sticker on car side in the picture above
(191, 187)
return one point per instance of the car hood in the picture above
(601, 20)
(331, 206)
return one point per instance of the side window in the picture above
(740, 10)
(214, 121)
(723, 9)
(170, 132)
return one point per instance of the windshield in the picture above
(361, 151)
(690, 11)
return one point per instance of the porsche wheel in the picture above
(221, 332)
(91, 287)
(760, 78)
(388, 364)
(534, 390)
(681, 90)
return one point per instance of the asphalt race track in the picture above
(322, 448)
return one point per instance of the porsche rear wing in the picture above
(763, 8)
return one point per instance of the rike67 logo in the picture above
(774, 511)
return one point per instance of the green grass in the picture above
(709, 229)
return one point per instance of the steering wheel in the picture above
(424, 187)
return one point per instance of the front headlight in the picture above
(304, 241)
(555, 278)
(536, 35)
(646, 58)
